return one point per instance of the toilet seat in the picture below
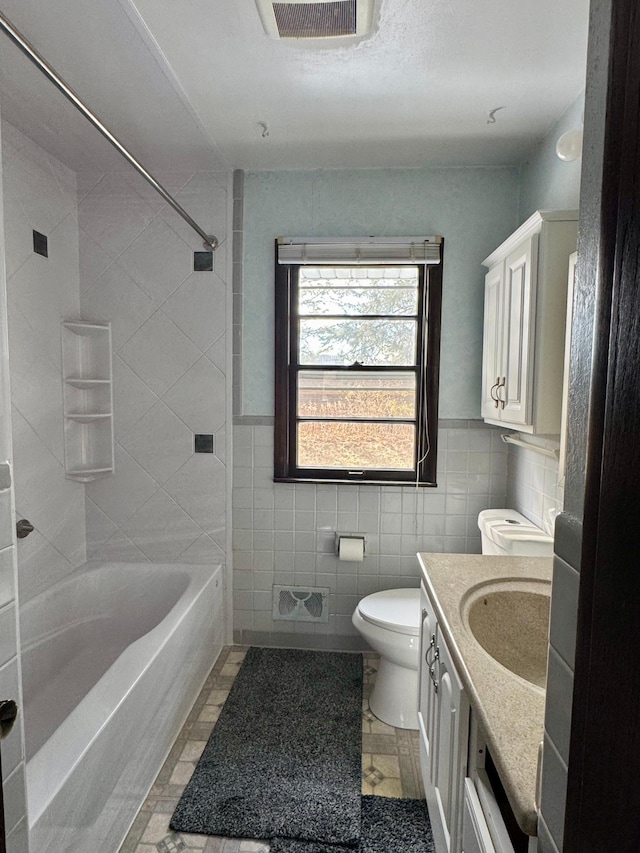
(394, 609)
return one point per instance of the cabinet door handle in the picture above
(431, 646)
(494, 387)
(502, 383)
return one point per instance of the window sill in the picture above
(353, 482)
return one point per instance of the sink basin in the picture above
(510, 620)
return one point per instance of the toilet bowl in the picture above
(390, 622)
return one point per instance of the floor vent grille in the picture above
(308, 604)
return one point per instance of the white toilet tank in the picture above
(507, 532)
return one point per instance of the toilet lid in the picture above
(396, 609)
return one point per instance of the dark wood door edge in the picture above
(603, 797)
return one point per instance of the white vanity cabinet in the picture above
(450, 743)
(476, 837)
(444, 723)
(524, 324)
(426, 692)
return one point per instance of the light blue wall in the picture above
(548, 183)
(473, 208)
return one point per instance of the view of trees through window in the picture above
(357, 381)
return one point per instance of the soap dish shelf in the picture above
(87, 390)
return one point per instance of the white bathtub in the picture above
(112, 660)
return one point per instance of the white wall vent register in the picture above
(307, 19)
(301, 605)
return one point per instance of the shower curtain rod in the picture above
(17, 38)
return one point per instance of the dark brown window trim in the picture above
(285, 425)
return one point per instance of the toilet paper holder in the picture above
(350, 536)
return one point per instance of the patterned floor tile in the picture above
(172, 843)
(390, 766)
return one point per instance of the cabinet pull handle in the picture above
(494, 387)
(431, 646)
(502, 383)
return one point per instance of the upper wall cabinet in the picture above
(524, 324)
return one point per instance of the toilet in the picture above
(507, 532)
(390, 623)
(390, 620)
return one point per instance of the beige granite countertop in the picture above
(510, 710)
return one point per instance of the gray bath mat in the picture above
(284, 756)
(388, 826)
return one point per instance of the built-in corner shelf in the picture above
(87, 399)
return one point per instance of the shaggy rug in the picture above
(284, 756)
(388, 826)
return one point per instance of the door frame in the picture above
(603, 796)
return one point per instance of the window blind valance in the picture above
(363, 250)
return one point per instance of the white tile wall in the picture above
(13, 760)
(40, 193)
(164, 502)
(284, 533)
(533, 483)
(534, 488)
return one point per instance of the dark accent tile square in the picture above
(40, 244)
(203, 443)
(202, 261)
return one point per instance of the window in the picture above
(357, 354)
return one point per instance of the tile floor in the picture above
(390, 766)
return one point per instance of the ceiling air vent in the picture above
(306, 19)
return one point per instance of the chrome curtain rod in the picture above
(31, 53)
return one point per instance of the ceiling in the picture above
(192, 83)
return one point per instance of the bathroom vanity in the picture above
(481, 698)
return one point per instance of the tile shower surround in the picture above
(165, 502)
(41, 193)
(284, 533)
(117, 253)
(36, 193)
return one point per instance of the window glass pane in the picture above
(370, 342)
(355, 445)
(333, 394)
(361, 291)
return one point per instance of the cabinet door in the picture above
(475, 833)
(518, 334)
(449, 745)
(426, 695)
(492, 336)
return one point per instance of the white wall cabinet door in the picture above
(524, 324)
(449, 745)
(492, 340)
(518, 330)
